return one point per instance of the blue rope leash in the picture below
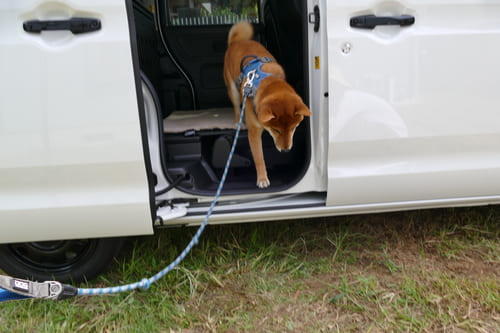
(146, 283)
(13, 288)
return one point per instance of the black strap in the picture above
(262, 59)
(242, 63)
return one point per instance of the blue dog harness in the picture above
(253, 72)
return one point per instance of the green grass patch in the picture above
(421, 271)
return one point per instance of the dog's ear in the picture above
(265, 114)
(302, 110)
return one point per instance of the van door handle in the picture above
(77, 25)
(371, 21)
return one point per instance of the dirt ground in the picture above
(390, 272)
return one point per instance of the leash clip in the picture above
(47, 290)
(250, 78)
(248, 88)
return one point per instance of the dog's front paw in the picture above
(263, 182)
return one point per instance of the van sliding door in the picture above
(72, 159)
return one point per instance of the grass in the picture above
(421, 271)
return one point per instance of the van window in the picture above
(214, 12)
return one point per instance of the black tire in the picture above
(68, 260)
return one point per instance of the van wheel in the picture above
(67, 260)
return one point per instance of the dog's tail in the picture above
(239, 32)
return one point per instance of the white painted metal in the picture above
(415, 110)
(71, 159)
(411, 120)
(318, 97)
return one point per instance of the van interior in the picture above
(181, 46)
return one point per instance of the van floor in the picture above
(197, 146)
(198, 120)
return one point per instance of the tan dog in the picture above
(278, 108)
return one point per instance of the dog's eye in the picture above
(276, 130)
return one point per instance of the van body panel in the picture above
(414, 109)
(72, 162)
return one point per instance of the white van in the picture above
(114, 118)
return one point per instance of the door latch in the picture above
(314, 18)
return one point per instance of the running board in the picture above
(239, 210)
